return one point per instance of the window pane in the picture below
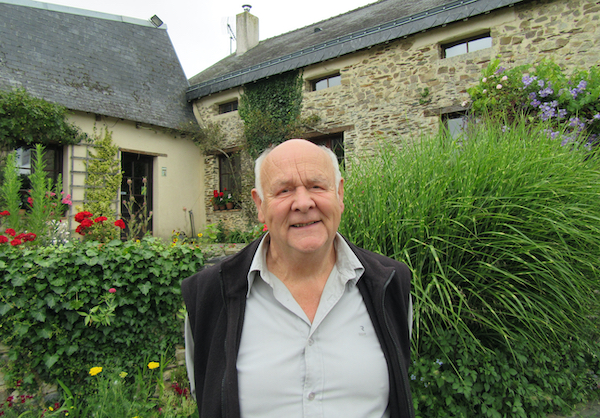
(335, 81)
(456, 50)
(481, 43)
(456, 125)
(320, 85)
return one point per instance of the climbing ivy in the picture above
(270, 109)
(25, 119)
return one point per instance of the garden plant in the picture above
(500, 229)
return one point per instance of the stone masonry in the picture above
(381, 96)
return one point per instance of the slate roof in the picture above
(92, 62)
(361, 28)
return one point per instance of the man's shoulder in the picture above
(370, 256)
(211, 274)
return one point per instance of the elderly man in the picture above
(301, 323)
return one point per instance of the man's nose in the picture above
(303, 200)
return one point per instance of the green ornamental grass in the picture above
(501, 230)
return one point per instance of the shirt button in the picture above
(311, 341)
(311, 396)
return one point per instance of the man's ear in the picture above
(258, 204)
(341, 193)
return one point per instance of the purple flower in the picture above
(527, 80)
(541, 83)
(546, 92)
(582, 85)
(532, 95)
(500, 70)
(535, 103)
(597, 116)
(562, 113)
(548, 112)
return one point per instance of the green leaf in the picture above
(49, 360)
(21, 329)
(18, 281)
(4, 308)
(39, 315)
(44, 333)
(145, 288)
(72, 349)
(75, 304)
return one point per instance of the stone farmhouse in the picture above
(388, 71)
(114, 72)
(392, 69)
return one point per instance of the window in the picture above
(230, 173)
(467, 45)
(455, 122)
(53, 159)
(228, 107)
(334, 142)
(326, 82)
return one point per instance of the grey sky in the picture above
(198, 29)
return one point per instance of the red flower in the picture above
(82, 215)
(215, 193)
(120, 224)
(221, 194)
(3, 239)
(16, 241)
(30, 201)
(86, 223)
(80, 230)
(265, 228)
(4, 213)
(29, 237)
(11, 232)
(112, 290)
(100, 219)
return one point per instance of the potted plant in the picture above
(222, 205)
(228, 199)
(215, 200)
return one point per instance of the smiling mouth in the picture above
(306, 224)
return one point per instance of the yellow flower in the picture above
(51, 409)
(123, 374)
(200, 235)
(95, 370)
(153, 365)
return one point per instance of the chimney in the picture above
(246, 30)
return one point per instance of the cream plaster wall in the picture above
(174, 195)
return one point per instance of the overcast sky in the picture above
(198, 28)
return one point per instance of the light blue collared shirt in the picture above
(290, 367)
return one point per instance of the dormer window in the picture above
(326, 82)
(467, 45)
(228, 107)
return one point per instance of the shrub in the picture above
(44, 291)
(501, 231)
(544, 95)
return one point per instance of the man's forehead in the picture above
(290, 168)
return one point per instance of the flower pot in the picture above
(222, 207)
(229, 205)
(215, 207)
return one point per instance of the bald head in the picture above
(294, 147)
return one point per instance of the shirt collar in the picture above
(347, 264)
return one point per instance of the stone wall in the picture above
(381, 95)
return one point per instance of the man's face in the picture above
(300, 207)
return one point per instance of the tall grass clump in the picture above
(501, 230)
